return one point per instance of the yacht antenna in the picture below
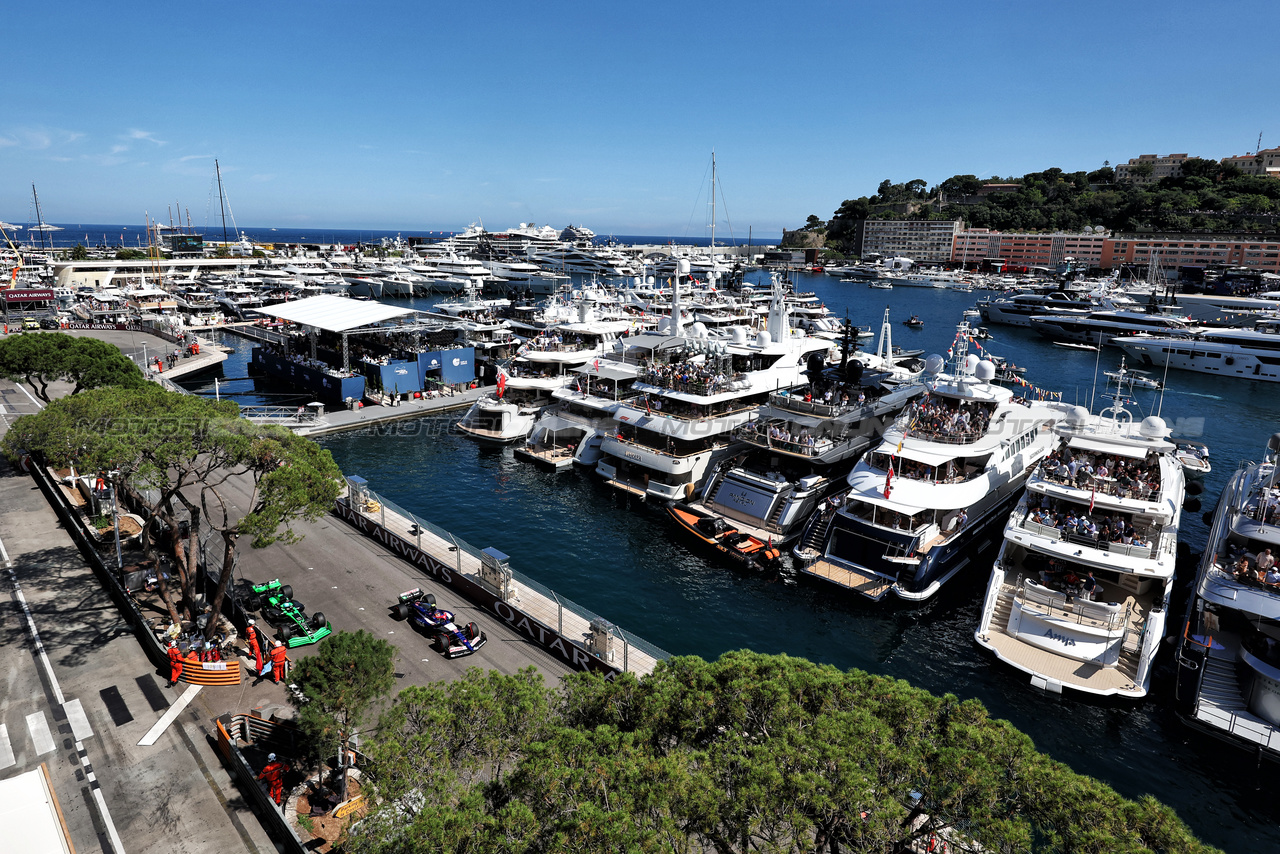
(1164, 381)
(1096, 361)
(221, 204)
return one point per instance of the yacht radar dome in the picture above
(985, 371)
(764, 339)
(1153, 427)
(934, 365)
(1077, 416)
(971, 362)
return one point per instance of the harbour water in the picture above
(624, 560)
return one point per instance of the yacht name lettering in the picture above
(632, 455)
(1052, 635)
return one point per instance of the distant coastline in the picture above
(134, 236)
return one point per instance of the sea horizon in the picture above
(94, 235)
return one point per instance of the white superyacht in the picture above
(1113, 512)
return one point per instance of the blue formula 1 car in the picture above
(452, 640)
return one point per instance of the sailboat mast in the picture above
(713, 209)
(39, 216)
(221, 205)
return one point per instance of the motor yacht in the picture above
(1100, 327)
(698, 389)
(1079, 528)
(1228, 653)
(1251, 354)
(929, 498)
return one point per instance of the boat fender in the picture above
(1194, 487)
(1191, 504)
(688, 491)
(1208, 518)
(1231, 360)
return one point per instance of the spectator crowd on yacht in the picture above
(939, 419)
(1109, 475)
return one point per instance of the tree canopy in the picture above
(750, 753)
(175, 450)
(337, 687)
(40, 358)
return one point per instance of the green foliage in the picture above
(130, 254)
(79, 253)
(40, 359)
(339, 685)
(1208, 196)
(177, 444)
(749, 753)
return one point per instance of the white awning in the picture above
(1096, 447)
(335, 314)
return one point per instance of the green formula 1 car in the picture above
(280, 609)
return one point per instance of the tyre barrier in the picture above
(211, 673)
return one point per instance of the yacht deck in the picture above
(1071, 672)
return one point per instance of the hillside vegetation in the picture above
(1208, 197)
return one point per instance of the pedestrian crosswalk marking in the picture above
(40, 735)
(79, 721)
(6, 748)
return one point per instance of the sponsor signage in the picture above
(21, 295)
(544, 636)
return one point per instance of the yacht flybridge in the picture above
(1078, 596)
(923, 504)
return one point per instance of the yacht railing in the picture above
(1062, 535)
(1074, 609)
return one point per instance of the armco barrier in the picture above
(260, 737)
(544, 636)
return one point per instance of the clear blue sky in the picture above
(432, 115)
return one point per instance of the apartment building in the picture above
(1171, 251)
(1167, 166)
(1265, 163)
(923, 241)
(1028, 250)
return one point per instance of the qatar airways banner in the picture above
(15, 295)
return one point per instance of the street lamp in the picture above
(115, 518)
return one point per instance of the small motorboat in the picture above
(883, 286)
(1137, 379)
(1071, 345)
(982, 334)
(914, 322)
(714, 532)
(1194, 457)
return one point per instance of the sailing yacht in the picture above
(1122, 527)
(1228, 658)
(923, 503)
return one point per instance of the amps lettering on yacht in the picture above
(1052, 635)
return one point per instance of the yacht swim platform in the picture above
(1055, 668)
(868, 584)
(550, 457)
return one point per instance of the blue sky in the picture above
(428, 115)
